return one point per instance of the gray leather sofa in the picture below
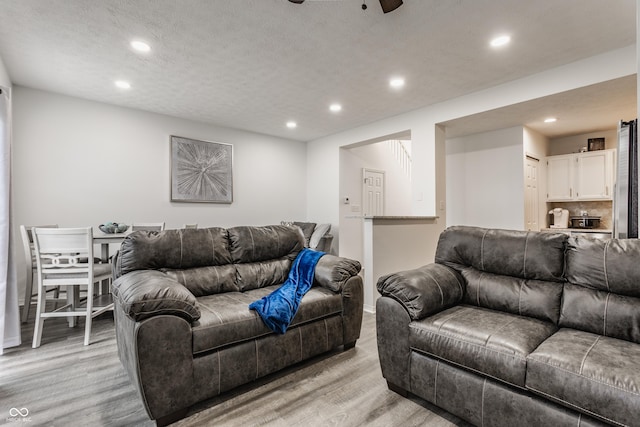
(511, 328)
(183, 326)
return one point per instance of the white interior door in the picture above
(531, 197)
(373, 192)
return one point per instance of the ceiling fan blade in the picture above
(389, 5)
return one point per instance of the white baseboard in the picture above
(369, 309)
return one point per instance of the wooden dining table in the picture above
(104, 240)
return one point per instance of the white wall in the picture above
(573, 143)
(324, 188)
(82, 163)
(4, 76)
(397, 189)
(485, 185)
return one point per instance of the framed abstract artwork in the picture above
(201, 171)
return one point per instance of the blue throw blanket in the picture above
(279, 307)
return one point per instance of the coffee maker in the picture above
(560, 218)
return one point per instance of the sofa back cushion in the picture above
(254, 275)
(523, 254)
(603, 293)
(173, 249)
(532, 298)
(206, 280)
(214, 260)
(255, 244)
(517, 272)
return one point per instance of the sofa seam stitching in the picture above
(484, 386)
(450, 317)
(524, 259)
(435, 385)
(604, 265)
(478, 345)
(573, 405)
(482, 250)
(486, 342)
(606, 308)
(582, 376)
(584, 359)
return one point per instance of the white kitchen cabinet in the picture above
(594, 175)
(560, 178)
(581, 176)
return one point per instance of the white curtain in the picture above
(9, 312)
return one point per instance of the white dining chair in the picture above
(64, 258)
(147, 226)
(30, 267)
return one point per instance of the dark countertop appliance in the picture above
(585, 221)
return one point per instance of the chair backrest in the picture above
(26, 232)
(190, 226)
(64, 255)
(147, 226)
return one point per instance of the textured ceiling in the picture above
(255, 64)
(585, 110)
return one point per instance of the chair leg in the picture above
(37, 329)
(89, 316)
(28, 296)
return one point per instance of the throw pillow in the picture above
(307, 230)
(318, 233)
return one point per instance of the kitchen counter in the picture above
(579, 230)
(595, 233)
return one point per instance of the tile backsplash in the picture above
(602, 209)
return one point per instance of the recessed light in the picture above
(140, 46)
(122, 84)
(335, 108)
(292, 125)
(500, 41)
(550, 120)
(396, 82)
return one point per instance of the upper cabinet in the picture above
(581, 176)
(560, 171)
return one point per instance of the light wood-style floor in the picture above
(64, 383)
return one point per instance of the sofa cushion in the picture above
(307, 230)
(173, 249)
(603, 313)
(255, 244)
(254, 275)
(604, 264)
(487, 341)
(226, 318)
(533, 298)
(529, 255)
(595, 374)
(207, 280)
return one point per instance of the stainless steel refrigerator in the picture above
(625, 202)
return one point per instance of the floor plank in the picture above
(64, 383)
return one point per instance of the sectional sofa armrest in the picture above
(332, 272)
(146, 293)
(425, 290)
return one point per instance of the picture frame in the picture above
(595, 144)
(201, 171)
